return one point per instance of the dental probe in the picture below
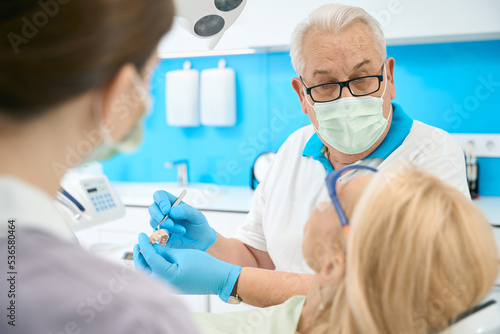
(177, 201)
(161, 235)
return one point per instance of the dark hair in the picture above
(53, 50)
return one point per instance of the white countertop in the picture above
(202, 196)
(490, 206)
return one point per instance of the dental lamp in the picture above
(208, 19)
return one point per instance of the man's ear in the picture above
(299, 89)
(390, 77)
(118, 103)
(333, 270)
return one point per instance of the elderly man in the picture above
(345, 85)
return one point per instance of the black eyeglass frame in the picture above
(343, 84)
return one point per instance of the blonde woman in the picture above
(418, 255)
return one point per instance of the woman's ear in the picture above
(333, 270)
(120, 105)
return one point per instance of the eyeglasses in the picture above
(358, 87)
(331, 181)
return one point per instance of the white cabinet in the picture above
(269, 23)
(496, 291)
(225, 223)
(490, 207)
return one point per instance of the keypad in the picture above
(103, 202)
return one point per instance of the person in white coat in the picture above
(346, 85)
(72, 77)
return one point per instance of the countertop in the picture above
(205, 197)
(490, 206)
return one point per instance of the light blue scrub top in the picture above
(282, 318)
(400, 128)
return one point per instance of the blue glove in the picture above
(192, 271)
(187, 227)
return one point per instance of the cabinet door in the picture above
(495, 293)
(496, 234)
(120, 232)
(225, 222)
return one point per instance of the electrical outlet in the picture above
(484, 145)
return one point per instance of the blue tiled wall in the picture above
(454, 86)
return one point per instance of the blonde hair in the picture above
(332, 18)
(419, 254)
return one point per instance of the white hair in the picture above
(332, 18)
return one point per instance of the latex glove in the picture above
(190, 270)
(187, 227)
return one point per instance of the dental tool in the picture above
(161, 235)
(177, 202)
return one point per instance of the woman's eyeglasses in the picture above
(331, 181)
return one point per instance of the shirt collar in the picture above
(400, 128)
(31, 208)
(315, 149)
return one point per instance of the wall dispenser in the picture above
(182, 97)
(218, 96)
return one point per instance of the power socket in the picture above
(485, 145)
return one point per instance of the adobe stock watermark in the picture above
(461, 111)
(418, 158)
(422, 319)
(31, 26)
(393, 8)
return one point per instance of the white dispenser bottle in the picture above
(182, 97)
(218, 96)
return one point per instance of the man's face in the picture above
(348, 55)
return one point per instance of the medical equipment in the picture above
(331, 181)
(177, 202)
(87, 200)
(161, 235)
(208, 19)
